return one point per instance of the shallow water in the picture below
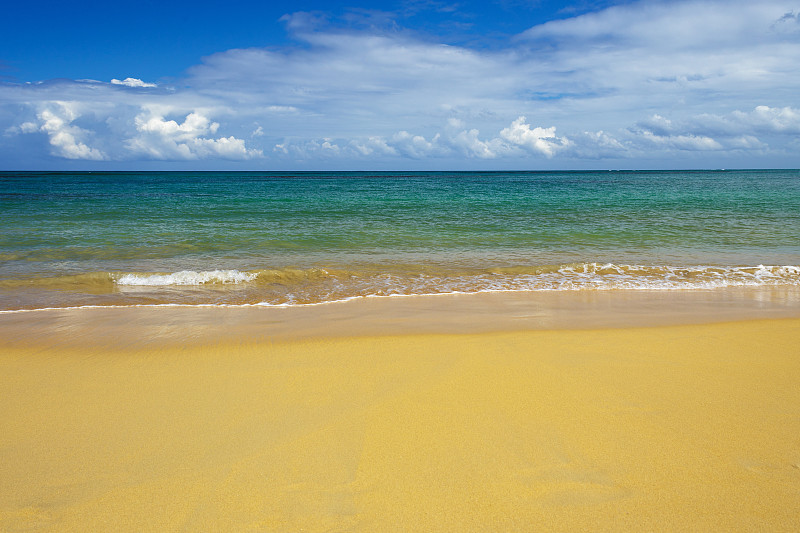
(73, 239)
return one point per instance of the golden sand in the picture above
(666, 428)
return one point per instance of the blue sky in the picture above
(507, 84)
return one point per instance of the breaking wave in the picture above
(186, 277)
(294, 286)
(291, 286)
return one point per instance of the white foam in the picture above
(594, 276)
(573, 277)
(186, 277)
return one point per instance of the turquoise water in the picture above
(71, 239)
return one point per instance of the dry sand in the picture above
(693, 427)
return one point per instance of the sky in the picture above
(400, 85)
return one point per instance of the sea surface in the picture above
(286, 239)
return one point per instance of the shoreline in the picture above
(487, 312)
(292, 287)
(628, 428)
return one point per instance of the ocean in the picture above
(287, 239)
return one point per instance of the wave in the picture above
(186, 277)
(595, 276)
(576, 276)
(294, 286)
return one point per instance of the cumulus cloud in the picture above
(308, 149)
(770, 119)
(66, 139)
(372, 145)
(737, 130)
(132, 82)
(455, 140)
(466, 142)
(661, 132)
(598, 145)
(593, 77)
(160, 138)
(542, 140)
(416, 146)
(639, 81)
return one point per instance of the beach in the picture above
(400, 266)
(425, 351)
(676, 425)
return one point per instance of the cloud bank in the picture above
(688, 83)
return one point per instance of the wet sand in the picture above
(668, 427)
(164, 325)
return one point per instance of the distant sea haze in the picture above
(244, 238)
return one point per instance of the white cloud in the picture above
(746, 142)
(737, 130)
(770, 119)
(542, 140)
(683, 142)
(597, 145)
(468, 143)
(416, 146)
(646, 80)
(598, 73)
(308, 149)
(193, 126)
(360, 84)
(690, 55)
(281, 109)
(160, 138)
(456, 140)
(657, 125)
(372, 145)
(67, 140)
(28, 127)
(661, 132)
(132, 82)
